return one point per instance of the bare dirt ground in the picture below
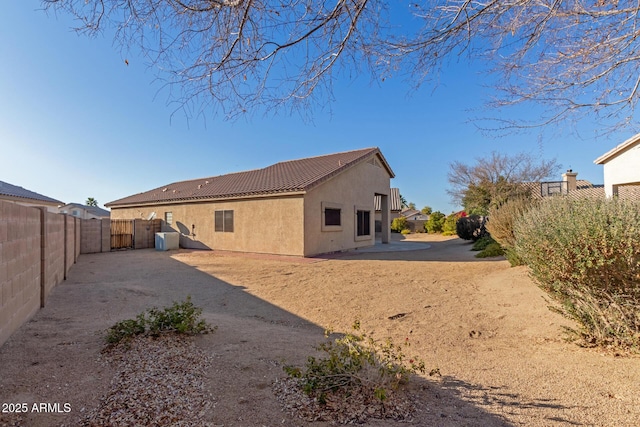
(485, 326)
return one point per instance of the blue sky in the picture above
(77, 122)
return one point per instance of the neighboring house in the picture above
(414, 215)
(415, 219)
(621, 166)
(83, 211)
(569, 186)
(301, 207)
(22, 196)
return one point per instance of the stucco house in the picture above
(300, 207)
(83, 211)
(621, 166)
(22, 196)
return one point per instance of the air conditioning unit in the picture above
(167, 241)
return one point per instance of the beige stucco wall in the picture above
(355, 187)
(264, 225)
(622, 169)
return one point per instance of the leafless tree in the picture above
(494, 179)
(574, 57)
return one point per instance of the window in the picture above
(332, 216)
(363, 219)
(224, 221)
(75, 213)
(168, 217)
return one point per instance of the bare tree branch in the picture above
(573, 57)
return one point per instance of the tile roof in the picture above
(284, 177)
(94, 210)
(11, 190)
(395, 204)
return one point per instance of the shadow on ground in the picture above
(56, 356)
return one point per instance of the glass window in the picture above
(168, 217)
(332, 216)
(224, 221)
(364, 223)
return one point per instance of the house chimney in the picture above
(570, 178)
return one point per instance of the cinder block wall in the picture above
(91, 236)
(20, 241)
(54, 250)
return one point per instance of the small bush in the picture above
(399, 224)
(449, 225)
(491, 250)
(435, 222)
(586, 255)
(180, 318)
(356, 366)
(471, 228)
(501, 224)
(482, 243)
(406, 231)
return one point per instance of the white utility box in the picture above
(167, 241)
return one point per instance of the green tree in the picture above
(399, 224)
(411, 206)
(449, 225)
(427, 210)
(495, 179)
(435, 222)
(403, 201)
(91, 202)
(571, 57)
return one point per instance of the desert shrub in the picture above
(501, 223)
(471, 228)
(435, 222)
(586, 255)
(181, 318)
(449, 225)
(406, 231)
(356, 367)
(482, 243)
(491, 250)
(399, 224)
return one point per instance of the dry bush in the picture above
(501, 222)
(586, 255)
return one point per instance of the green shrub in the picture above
(399, 224)
(356, 364)
(449, 225)
(406, 231)
(586, 255)
(470, 228)
(180, 318)
(501, 224)
(491, 250)
(482, 243)
(435, 222)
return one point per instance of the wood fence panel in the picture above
(121, 233)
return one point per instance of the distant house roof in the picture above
(14, 191)
(284, 177)
(93, 210)
(395, 204)
(584, 189)
(621, 148)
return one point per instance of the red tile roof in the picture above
(284, 177)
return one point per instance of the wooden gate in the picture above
(121, 233)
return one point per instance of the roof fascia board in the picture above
(619, 149)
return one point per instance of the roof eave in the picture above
(114, 205)
(619, 149)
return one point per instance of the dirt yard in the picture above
(485, 326)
